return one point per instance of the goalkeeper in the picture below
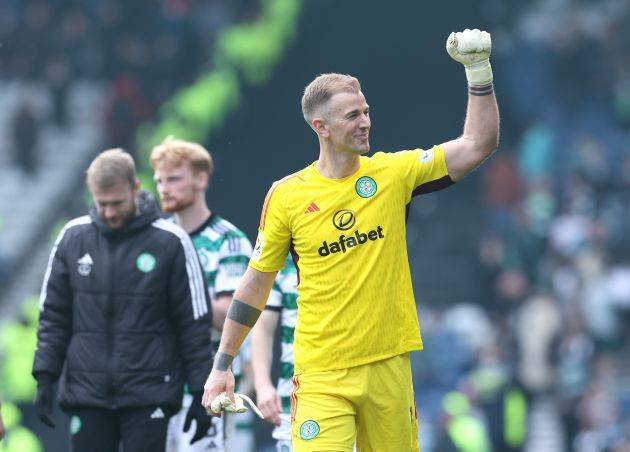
(343, 219)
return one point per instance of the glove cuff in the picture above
(479, 73)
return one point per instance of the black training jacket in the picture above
(125, 317)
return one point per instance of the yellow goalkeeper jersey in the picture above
(347, 237)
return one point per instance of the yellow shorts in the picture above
(371, 404)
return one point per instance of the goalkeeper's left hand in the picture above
(472, 49)
(197, 412)
(222, 402)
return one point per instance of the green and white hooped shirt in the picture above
(224, 252)
(283, 299)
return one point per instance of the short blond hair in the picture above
(320, 90)
(110, 168)
(172, 152)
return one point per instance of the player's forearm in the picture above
(247, 305)
(239, 320)
(482, 124)
(220, 307)
(262, 355)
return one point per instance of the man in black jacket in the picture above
(124, 319)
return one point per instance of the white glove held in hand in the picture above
(223, 403)
(472, 49)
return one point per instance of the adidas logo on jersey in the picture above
(358, 238)
(157, 414)
(312, 208)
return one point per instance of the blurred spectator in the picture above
(597, 307)
(25, 138)
(599, 421)
(502, 191)
(462, 428)
(536, 371)
(539, 208)
(127, 109)
(569, 233)
(619, 293)
(58, 77)
(535, 153)
(470, 323)
(591, 163)
(621, 94)
(575, 352)
(500, 399)
(491, 257)
(512, 285)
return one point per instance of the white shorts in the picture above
(179, 441)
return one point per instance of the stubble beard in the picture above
(364, 149)
(178, 205)
(121, 221)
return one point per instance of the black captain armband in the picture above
(243, 313)
(481, 90)
(222, 361)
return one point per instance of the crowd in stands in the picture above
(553, 311)
(143, 50)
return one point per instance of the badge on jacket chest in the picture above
(85, 265)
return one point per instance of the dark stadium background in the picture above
(521, 271)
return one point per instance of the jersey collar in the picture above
(321, 177)
(205, 224)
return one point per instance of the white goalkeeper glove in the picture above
(223, 403)
(472, 49)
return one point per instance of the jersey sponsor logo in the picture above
(344, 243)
(426, 156)
(85, 265)
(145, 262)
(365, 186)
(259, 247)
(344, 219)
(312, 208)
(309, 430)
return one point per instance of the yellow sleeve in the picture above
(274, 235)
(423, 171)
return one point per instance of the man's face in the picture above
(115, 205)
(178, 186)
(348, 122)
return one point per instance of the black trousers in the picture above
(99, 430)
